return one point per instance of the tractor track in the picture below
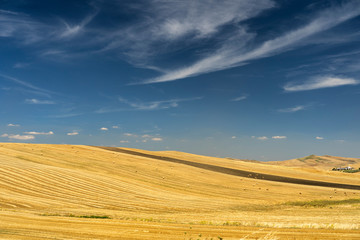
(237, 172)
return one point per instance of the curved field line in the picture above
(237, 172)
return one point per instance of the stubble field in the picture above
(85, 192)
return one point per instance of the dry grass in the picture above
(82, 192)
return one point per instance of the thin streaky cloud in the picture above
(40, 133)
(230, 55)
(71, 31)
(26, 84)
(147, 106)
(168, 22)
(320, 82)
(293, 109)
(237, 99)
(37, 101)
(104, 129)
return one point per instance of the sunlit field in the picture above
(85, 192)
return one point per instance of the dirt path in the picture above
(237, 172)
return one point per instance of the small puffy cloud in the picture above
(104, 129)
(13, 125)
(320, 82)
(233, 137)
(319, 138)
(72, 133)
(18, 137)
(124, 141)
(263, 138)
(279, 137)
(40, 133)
(115, 127)
(36, 101)
(146, 136)
(293, 109)
(157, 139)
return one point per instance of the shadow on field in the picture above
(236, 172)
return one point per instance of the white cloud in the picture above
(148, 106)
(232, 54)
(13, 125)
(279, 137)
(293, 109)
(18, 137)
(21, 65)
(319, 138)
(73, 133)
(130, 135)
(156, 105)
(320, 82)
(168, 22)
(157, 139)
(243, 97)
(115, 127)
(27, 85)
(233, 137)
(146, 136)
(40, 133)
(124, 141)
(36, 101)
(71, 31)
(262, 138)
(104, 129)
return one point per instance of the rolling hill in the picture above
(88, 192)
(325, 162)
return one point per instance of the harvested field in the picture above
(84, 192)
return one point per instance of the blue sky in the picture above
(265, 79)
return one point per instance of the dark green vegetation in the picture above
(323, 203)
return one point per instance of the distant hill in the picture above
(325, 162)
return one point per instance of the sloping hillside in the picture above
(85, 192)
(325, 162)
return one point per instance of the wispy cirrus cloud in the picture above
(293, 109)
(37, 101)
(73, 30)
(231, 54)
(320, 82)
(237, 99)
(147, 106)
(28, 86)
(19, 25)
(168, 22)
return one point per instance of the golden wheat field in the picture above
(86, 192)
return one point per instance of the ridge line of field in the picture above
(235, 172)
